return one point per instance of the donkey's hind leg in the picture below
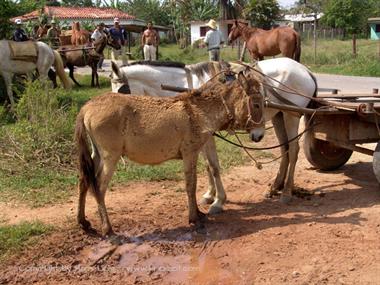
(81, 217)
(216, 191)
(104, 176)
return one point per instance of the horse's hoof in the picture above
(285, 199)
(84, 224)
(206, 201)
(270, 194)
(215, 210)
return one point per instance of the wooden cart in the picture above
(350, 121)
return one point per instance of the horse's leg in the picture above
(214, 169)
(279, 128)
(53, 77)
(103, 177)
(71, 73)
(92, 75)
(96, 73)
(291, 124)
(190, 168)
(8, 83)
(209, 196)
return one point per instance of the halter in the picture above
(254, 109)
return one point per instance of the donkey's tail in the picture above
(297, 50)
(87, 167)
(58, 64)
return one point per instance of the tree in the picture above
(262, 13)
(148, 10)
(77, 3)
(350, 15)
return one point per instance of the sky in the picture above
(286, 3)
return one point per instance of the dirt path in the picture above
(331, 237)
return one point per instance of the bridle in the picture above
(255, 106)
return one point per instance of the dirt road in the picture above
(330, 237)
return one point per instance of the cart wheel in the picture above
(324, 155)
(376, 162)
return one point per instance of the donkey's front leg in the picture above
(190, 168)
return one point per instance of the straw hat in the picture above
(53, 22)
(212, 24)
(18, 22)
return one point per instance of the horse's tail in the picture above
(297, 50)
(87, 167)
(58, 64)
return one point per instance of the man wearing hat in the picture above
(116, 33)
(19, 34)
(213, 40)
(53, 35)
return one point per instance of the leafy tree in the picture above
(148, 10)
(77, 3)
(351, 15)
(262, 13)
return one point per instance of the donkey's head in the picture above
(252, 112)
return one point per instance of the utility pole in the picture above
(315, 10)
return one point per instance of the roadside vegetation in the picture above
(14, 238)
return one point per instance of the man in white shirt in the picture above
(97, 34)
(213, 40)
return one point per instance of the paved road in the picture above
(346, 84)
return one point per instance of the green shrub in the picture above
(43, 133)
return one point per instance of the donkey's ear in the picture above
(116, 69)
(243, 80)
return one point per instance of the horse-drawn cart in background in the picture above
(341, 123)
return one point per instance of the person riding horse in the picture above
(19, 34)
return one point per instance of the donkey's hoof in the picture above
(285, 199)
(200, 228)
(85, 225)
(117, 239)
(215, 210)
(202, 217)
(206, 201)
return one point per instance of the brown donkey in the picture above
(151, 130)
(260, 43)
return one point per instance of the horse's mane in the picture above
(203, 67)
(159, 63)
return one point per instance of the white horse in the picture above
(46, 57)
(283, 76)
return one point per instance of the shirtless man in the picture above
(149, 42)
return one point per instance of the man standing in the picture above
(149, 42)
(213, 41)
(96, 35)
(53, 35)
(19, 34)
(117, 34)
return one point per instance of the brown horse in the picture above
(260, 43)
(151, 130)
(79, 37)
(74, 56)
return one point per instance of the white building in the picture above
(198, 29)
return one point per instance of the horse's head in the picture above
(235, 32)
(42, 30)
(113, 42)
(254, 107)
(119, 81)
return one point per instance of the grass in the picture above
(15, 237)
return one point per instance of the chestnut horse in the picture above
(79, 37)
(260, 43)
